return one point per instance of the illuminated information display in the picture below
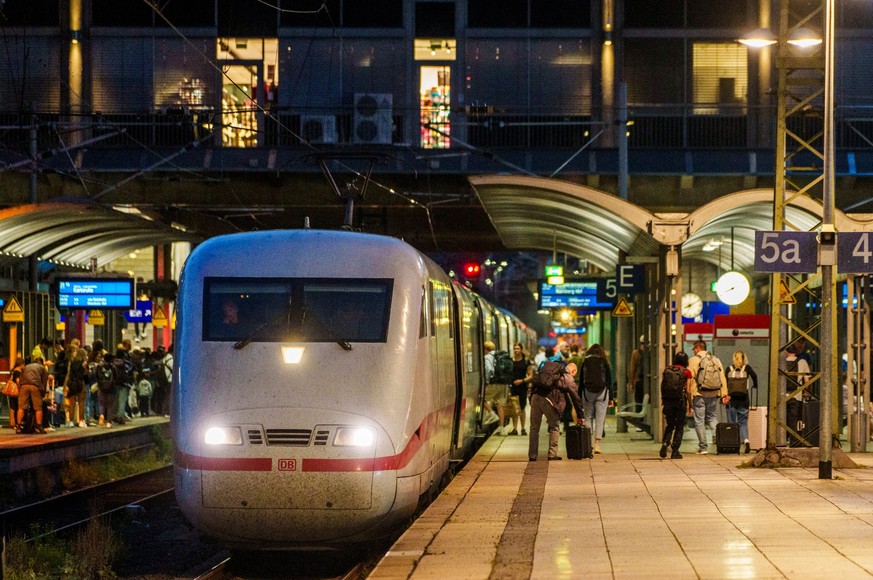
(95, 293)
(581, 294)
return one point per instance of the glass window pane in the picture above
(298, 310)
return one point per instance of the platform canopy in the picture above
(533, 213)
(72, 233)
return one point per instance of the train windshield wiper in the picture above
(287, 314)
(256, 332)
(344, 344)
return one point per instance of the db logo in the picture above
(287, 465)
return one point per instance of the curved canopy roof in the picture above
(534, 213)
(72, 233)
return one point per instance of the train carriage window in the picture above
(297, 309)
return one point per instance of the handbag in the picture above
(10, 389)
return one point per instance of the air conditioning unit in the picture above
(318, 128)
(373, 123)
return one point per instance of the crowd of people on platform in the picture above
(74, 385)
(707, 389)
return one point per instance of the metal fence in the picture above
(648, 127)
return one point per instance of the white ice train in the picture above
(325, 382)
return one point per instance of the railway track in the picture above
(76, 508)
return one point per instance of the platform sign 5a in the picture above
(855, 253)
(786, 251)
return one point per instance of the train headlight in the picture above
(354, 437)
(223, 436)
(292, 354)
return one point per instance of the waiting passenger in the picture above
(14, 383)
(34, 380)
(495, 395)
(737, 401)
(74, 386)
(676, 399)
(708, 389)
(522, 374)
(551, 405)
(636, 374)
(596, 377)
(540, 356)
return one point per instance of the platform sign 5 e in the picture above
(786, 251)
(855, 253)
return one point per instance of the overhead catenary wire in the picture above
(211, 62)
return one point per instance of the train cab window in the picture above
(298, 309)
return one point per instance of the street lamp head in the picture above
(758, 38)
(804, 38)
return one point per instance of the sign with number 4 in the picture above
(855, 253)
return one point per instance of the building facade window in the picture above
(720, 78)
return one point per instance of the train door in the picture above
(467, 367)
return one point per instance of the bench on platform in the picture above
(635, 413)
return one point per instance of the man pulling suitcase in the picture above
(547, 399)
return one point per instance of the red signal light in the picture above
(471, 269)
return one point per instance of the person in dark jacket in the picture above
(32, 386)
(551, 405)
(675, 411)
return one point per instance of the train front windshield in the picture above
(296, 309)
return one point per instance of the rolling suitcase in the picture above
(727, 438)
(758, 427)
(578, 438)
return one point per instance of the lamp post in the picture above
(827, 254)
(792, 90)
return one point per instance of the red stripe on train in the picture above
(425, 431)
(223, 463)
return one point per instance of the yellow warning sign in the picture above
(159, 319)
(622, 308)
(785, 295)
(96, 318)
(13, 312)
(173, 322)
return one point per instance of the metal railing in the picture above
(650, 127)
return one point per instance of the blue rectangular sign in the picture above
(786, 251)
(855, 253)
(572, 294)
(95, 293)
(142, 312)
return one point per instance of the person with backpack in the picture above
(106, 390)
(675, 384)
(595, 379)
(708, 389)
(495, 393)
(737, 376)
(549, 385)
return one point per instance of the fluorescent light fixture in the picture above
(804, 38)
(759, 38)
(292, 355)
(223, 436)
(354, 437)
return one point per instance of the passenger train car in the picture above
(325, 382)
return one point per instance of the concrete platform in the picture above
(23, 457)
(626, 513)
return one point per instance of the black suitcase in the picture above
(805, 420)
(727, 438)
(578, 439)
(28, 424)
